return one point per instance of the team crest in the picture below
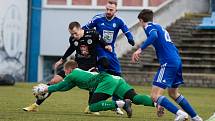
(89, 41)
(114, 25)
(76, 43)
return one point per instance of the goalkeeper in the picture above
(103, 85)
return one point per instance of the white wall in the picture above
(54, 24)
(54, 27)
(13, 34)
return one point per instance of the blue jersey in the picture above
(109, 29)
(164, 47)
(169, 75)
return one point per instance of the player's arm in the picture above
(127, 33)
(68, 52)
(150, 39)
(64, 85)
(103, 43)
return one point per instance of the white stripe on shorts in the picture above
(161, 73)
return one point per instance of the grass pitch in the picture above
(69, 106)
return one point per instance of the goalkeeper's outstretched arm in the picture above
(62, 86)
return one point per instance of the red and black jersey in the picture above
(85, 47)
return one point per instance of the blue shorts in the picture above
(114, 64)
(169, 75)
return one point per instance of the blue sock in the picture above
(163, 101)
(186, 106)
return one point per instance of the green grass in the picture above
(69, 106)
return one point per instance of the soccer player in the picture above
(169, 75)
(108, 25)
(103, 85)
(84, 42)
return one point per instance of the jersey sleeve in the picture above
(91, 24)
(69, 51)
(125, 30)
(150, 39)
(149, 29)
(64, 85)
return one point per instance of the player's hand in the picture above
(131, 42)
(109, 48)
(58, 63)
(136, 55)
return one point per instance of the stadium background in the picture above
(34, 33)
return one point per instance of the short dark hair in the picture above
(112, 2)
(146, 15)
(74, 24)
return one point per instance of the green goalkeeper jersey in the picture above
(80, 78)
(94, 82)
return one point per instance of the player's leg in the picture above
(163, 79)
(114, 69)
(108, 65)
(182, 101)
(99, 103)
(139, 99)
(108, 86)
(179, 98)
(87, 110)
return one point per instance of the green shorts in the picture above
(113, 85)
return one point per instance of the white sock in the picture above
(197, 118)
(120, 103)
(180, 112)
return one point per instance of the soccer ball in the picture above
(38, 93)
(41, 96)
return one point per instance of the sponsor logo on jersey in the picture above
(102, 24)
(114, 25)
(88, 35)
(76, 43)
(89, 41)
(108, 36)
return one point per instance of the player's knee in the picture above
(104, 62)
(154, 97)
(174, 95)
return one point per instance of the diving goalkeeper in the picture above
(103, 85)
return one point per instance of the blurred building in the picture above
(13, 39)
(34, 33)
